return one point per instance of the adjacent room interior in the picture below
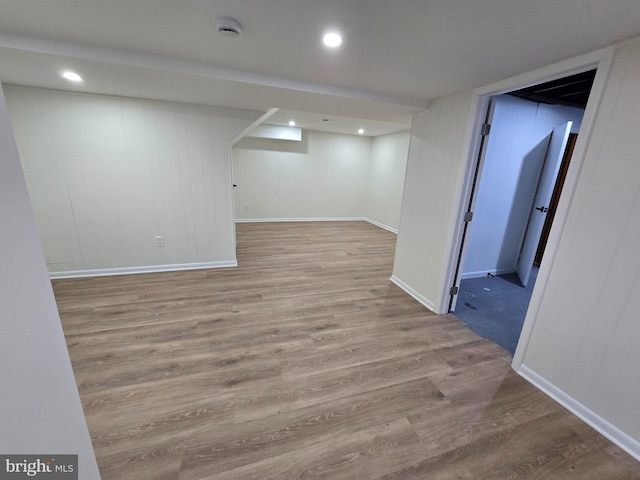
(528, 151)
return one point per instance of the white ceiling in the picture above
(396, 55)
(336, 123)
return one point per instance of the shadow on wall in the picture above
(524, 196)
(273, 145)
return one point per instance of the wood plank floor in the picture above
(307, 362)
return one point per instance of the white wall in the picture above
(40, 409)
(386, 178)
(325, 176)
(320, 177)
(585, 337)
(432, 194)
(108, 174)
(515, 153)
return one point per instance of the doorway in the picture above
(521, 173)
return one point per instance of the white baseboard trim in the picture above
(420, 298)
(613, 433)
(382, 225)
(483, 273)
(321, 219)
(104, 272)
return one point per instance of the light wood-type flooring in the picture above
(305, 361)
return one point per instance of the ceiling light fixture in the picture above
(292, 123)
(361, 131)
(229, 27)
(72, 76)
(332, 40)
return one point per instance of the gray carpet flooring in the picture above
(495, 307)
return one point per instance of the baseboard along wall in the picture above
(320, 219)
(104, 272)
(613, 433)
(483, 273)
(414, 293)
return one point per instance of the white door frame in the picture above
(600, 59)
(474, 176)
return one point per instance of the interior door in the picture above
(473, 188)
(552, 162)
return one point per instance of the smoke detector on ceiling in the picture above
(229, 27)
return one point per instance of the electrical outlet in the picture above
(159, 241)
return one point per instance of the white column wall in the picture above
(432, 191)
(106, 175)
(40, 409)
(386, 178)
(584, 339)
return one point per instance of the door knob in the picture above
(542, 209)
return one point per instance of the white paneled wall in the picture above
(431, 196)
(585, 336)
(323, 176)
(519, 137)
(41, 410)
(386, 178)
(106, 175)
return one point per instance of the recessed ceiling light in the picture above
(292, 123)
(72, 76)
(361, 131)
(332, 40)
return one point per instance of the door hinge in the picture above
(468, 216)
(486, 128)
(453, 291)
